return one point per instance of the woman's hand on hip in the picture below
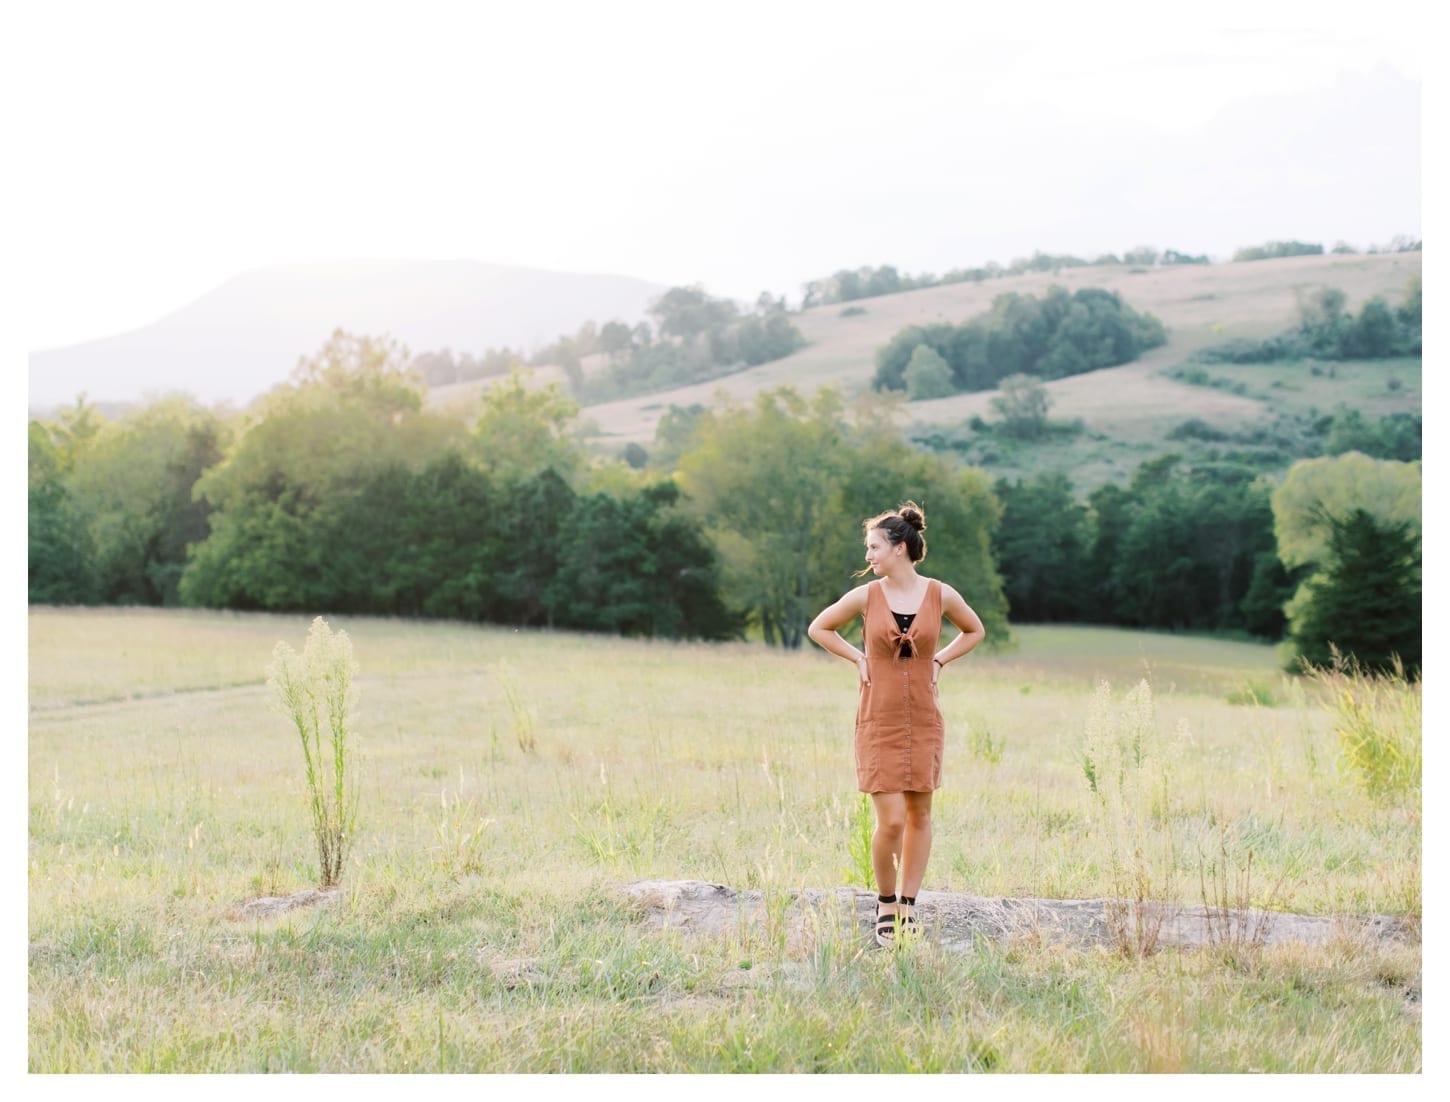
(863, 667)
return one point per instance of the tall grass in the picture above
(1126, 769)
(1378, 718)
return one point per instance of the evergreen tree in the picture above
(1270, 587)
(1042, 549)
(1367, 600)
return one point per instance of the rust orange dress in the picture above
(899, 729)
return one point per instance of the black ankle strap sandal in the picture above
(910, 927)
(885, 922)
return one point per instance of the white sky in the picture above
(746, 146)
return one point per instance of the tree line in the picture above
(1331, 554)
(851, 284)
(1327, 330)
(695, 336)
(1051, 337)
(340, 491)
(868, 281)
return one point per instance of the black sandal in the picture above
(885, 923)
(910, 926)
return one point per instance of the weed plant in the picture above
(314, 690)
(1235, 919)
(860, 871)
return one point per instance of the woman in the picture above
(899, 731)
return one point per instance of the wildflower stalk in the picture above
(314, 690)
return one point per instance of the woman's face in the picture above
(879, 550)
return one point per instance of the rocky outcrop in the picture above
(957, 922)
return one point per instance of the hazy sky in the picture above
(745, 146)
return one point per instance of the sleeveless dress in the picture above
(899, 729)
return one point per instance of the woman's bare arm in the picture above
(965, 620)
(825, 629)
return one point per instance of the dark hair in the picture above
(905, 525)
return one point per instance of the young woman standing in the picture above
(899, 730)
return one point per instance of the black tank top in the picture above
(903, 624)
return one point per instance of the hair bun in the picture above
(912, 514)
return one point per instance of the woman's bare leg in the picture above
(886, 842)
(915, 844)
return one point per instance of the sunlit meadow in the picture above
(511, 782)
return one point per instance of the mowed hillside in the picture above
(1126, 409)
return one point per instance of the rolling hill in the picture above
(1126, 411)
(245, 336)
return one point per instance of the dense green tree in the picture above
(1022, 404)
(687, 312)
(1270, 587)
(966, 355)
(1366, 602)
(1315, 491)
(1096, 331)
(1373, 335)
(1398, 436)
(760, 479)
(927, 375)
(783, 486)
(879, 471)
(1042, 549)
(1321, 535)
(1161, 579)
(1179, 547)
(351, 410)
(522, 430)
(1111, 509)
(443, 531)
(1056, 335)
(132, 485)
(893, 357)
(759, 339)
(701, 338)
(60, 570)
(634, 565)
(615, 339)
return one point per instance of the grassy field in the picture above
(512, 782)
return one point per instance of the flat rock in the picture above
(277, 904)
(957, 921)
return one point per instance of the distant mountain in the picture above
(247, 335)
